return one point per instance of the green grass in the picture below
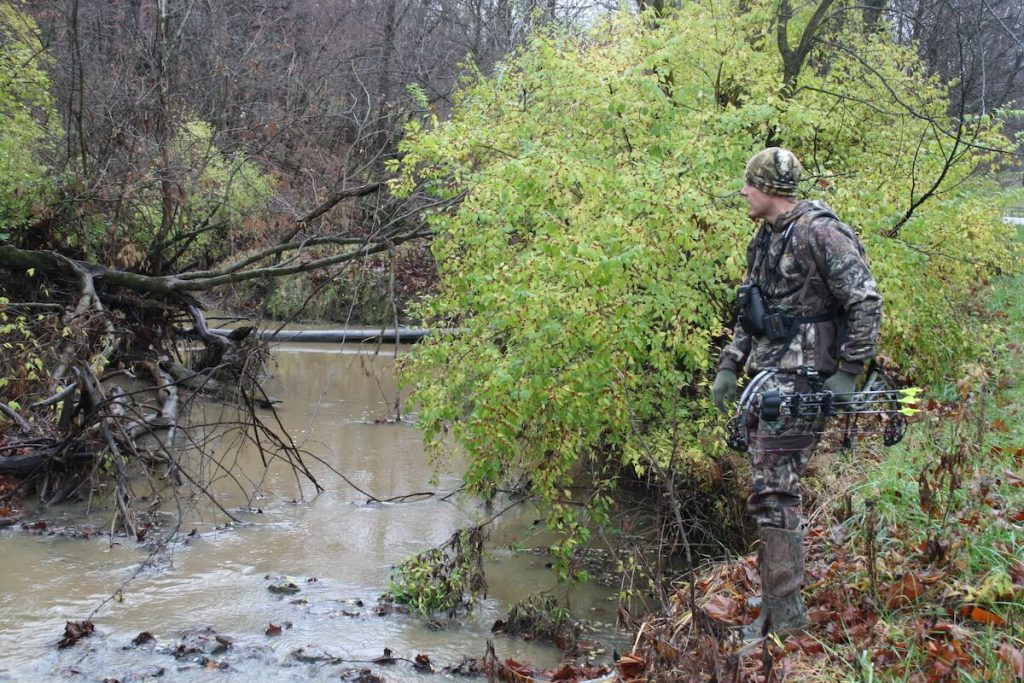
(978, 522)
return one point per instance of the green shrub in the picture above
(592, 262)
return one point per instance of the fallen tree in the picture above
(108, 246)
(106, 362)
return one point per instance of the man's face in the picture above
(759, 204)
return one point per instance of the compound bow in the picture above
(877, 398)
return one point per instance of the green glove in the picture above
(841, 383)
(724, 389)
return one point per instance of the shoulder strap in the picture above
(811, 216)
(840, 317)
(761, 241)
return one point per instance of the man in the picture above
(810, 271)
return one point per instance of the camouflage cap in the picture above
(774, 171)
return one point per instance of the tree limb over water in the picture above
(81, 428)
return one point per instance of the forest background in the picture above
(560, 178)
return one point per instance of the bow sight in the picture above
(891, 406)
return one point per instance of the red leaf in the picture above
(982, 616)
(807, 644)
(272, 630)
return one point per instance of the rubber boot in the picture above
(781, 563)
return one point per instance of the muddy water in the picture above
(336, 547)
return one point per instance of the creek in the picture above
(338, 549)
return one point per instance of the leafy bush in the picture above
(24, 358)
(592, 263)
(448, 579)
(30, 123)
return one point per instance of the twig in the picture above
(23, 425)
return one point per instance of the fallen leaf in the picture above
(1014, 658)
(722, 607)
(468, 667)
(631, 666)
(577, 674)
(807, 644)
(982, 616)
(422, 663)
(1016, 571)
(75, 631)
(667, 651)
(887, 656)
(513, 671)
(272, 630)
(905, 592)
(143, 638)
(1012, 479)
(924, 493)
(933, 551)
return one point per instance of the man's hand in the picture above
(841, 383)
(724, 389)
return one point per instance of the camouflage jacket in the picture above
(807, 264)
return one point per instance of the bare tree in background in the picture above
(978, 45)
(164, 99)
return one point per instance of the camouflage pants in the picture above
(779, 453)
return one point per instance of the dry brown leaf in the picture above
(904, 593)
(1014, 658)
(666, 651)
(515, 672)
(722, 607)
(75, 631)
(631, 666)
(1017, 572)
